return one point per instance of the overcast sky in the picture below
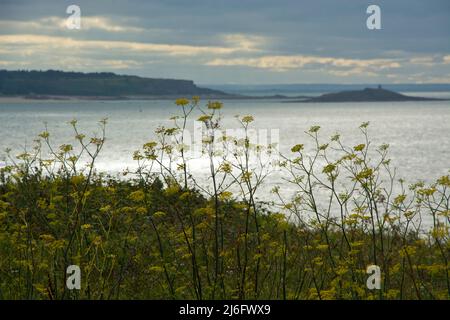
(233, 41)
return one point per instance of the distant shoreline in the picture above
(53, 85)
(366, 95)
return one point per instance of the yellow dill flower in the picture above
(156, 269)
(225, 167)
(322, 247)
(137, 196)
(182, 102)
(141, 210)
(225, 195)
(204, 118)
(195, 99)
(246, 176)
(297, 148)
(247, 119)
(359, 147)
(407, 250)
(159, 214)
(215, 105)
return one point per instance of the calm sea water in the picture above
(418, 132)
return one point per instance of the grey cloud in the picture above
(412, 32)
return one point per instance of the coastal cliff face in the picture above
(94, 84)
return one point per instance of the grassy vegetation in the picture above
(158, 233)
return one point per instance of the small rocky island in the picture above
(366, 95)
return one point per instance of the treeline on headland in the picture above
(157, 233)
(105, 84)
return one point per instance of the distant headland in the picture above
(58, 85)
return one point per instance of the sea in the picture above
(418, 133)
